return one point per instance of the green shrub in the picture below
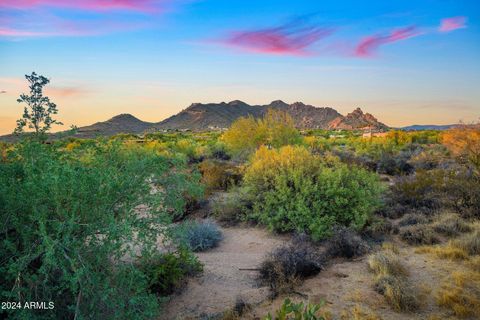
(293, 190)
(166, 272)
(297, 311)
(198, 236)
(70, 220)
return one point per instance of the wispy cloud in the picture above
(65, 92)
(12, 32)
(294, 38)
(93, 5)
(43, 18)
(369, 45)
(453, 23)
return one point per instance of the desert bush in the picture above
(469, 243)
(397, 292)
(218, 175)
(166, 272)
(464, 142)
(418, 234)
(450, 224)
(298, 311)
(275, 129)
(293, 191)
(461, 192)
(428, 191)
(420, 192)
(460, 294)
(431, 158)
(218, 151)
(392, 282)
(386, 263)
(349, 157)
(230, 209)
(412, 219)
(377, 227)
(346, 243)
(198, 236)
(286, 266)
(358, 313)
(69, 224)
(395, 164)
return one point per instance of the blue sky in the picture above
(403, 61)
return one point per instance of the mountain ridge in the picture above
(218, 116)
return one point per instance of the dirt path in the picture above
(346, 284)
(222, 281)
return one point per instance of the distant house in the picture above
(374, 134)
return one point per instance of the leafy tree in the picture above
(243, 137)
(39, 109)
(275, 129)
(464, 142)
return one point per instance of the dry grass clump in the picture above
(451, 225)
(386, 263)
(286, 266)
(418, 234)
(389, 246)
(469, 243)
(238, 310)
(358, 313)
(392, 282)
(461, 294)
(474, 264)
(398, 292)
(459, 249)
(448, 251)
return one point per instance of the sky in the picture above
(406, 62)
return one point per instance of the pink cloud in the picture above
(10, 32)
(370, 44)
(94, 5)
(290, 39)
(65, 92)
(454, 23)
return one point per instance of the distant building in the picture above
(374, 134)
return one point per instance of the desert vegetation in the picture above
(115, 227)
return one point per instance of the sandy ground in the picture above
(342, 285)
(222, 281)
(346, 284)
